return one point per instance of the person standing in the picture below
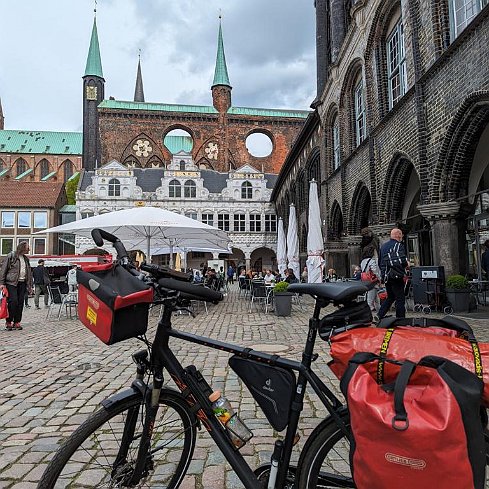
(16, 277)
(393, 263)
(230, 274)
(485, 260)
(304, 275)
(71, 278)
(41, 282)
(370, 266)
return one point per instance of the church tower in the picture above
(2, 120)
(93, 94)
(221, 88)
(139, 91)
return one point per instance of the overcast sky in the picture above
(269, 46)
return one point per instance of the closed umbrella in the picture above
(281, 248)
(315, 246)
(293, 243)
(147, 228)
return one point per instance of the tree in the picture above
(70, 188)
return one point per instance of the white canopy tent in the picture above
(147, 228)
(315, 245)
(281, 247)
(293, 243)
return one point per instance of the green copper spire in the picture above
(221, 72)
(94, 63)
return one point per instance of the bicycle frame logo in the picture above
(413, 463)
(191, 402)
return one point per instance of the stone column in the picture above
(338, 27)
(448, 226)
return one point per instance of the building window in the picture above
(44, 167)
(208, 219)
(114, 187)
(255, 223)
(360, 118)
(8, 219)
(26, 240)
(2, 165)
(246, 190)
(86, 214)
(396, 64)
(270, 223)
(462, 12)
(23, 219)
(175, 189)
(190, 189)
(39, 246)
(7, 245)
(335, 136)
(240, 222)
(20, 167)
(40, 220)
(68, 170)
(191, 215)
(223, 222)
(182, 165)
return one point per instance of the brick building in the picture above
(400, 130)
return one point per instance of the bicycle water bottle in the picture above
(238, 431)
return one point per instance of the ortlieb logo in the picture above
(412, 463)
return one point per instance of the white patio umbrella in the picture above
(293, 243)
(281, 247)
(148, 227)
(315, 246)
(185, 249)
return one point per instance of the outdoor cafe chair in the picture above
(260, 295)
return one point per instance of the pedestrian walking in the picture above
(393, 263)
(16, 277)
(41, 282)
(371, 272)
(230, 274)
(71, 278)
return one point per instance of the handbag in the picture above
(3, 303)
(368, 275)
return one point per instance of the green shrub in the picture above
(281, 287)
(457, 282)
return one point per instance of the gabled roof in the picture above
(114, 165)
(94, 63)
(29, 194)
(247, 169)
(221, 76)
(41, 142)
(203, 109)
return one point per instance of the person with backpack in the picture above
(371, 273)
(393, 263)
(16, 277)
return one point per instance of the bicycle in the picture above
(146, 434)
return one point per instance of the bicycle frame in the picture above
(197, 397)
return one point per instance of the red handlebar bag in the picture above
(411, 343)
(112, 303)
(423, 431)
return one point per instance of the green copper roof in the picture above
(48, 176)
(94, 63)
(22, 175)
(221, 72)
(68, 208)
(73, 176)
(41, 142)
(175, 144)
(201, 109)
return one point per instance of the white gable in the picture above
(113, 165)
(246, 169)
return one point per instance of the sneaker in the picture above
(9, 326)
(17, 326)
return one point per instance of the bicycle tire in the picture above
(103, 447)
(326, 443)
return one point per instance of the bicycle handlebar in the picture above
(98, 235)
(191, 291)
(163, 272)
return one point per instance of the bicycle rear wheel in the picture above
(324, 462)
(86, 459)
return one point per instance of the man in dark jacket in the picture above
(393, 263)
(41, 282)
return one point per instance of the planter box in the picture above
(459, 299)
(283, 303)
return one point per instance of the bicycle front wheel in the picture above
(325, 461)
(87, 458)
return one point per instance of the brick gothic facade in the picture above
(400, 132)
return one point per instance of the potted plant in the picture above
(283, 299)
(458, 293)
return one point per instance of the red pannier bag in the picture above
(422, 431)
(112, 303)
(424, 337)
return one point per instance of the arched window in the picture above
(175, 189)
(396, 61)
(2, 165)
(462, 13)
(68, 170)
(114, 188)
(335, 138)
(182, 165)
(20, 167)
(190, 189)
(44, 168)
(246, 190)
(360, 116)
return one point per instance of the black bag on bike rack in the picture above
(112, 303)
(272, 388)
(353, 315)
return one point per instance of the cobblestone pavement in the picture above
(57, 372)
